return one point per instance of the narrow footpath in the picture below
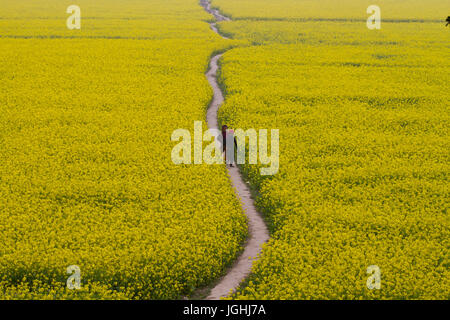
(258, 232)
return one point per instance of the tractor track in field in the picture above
(258, 232)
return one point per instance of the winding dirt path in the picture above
(258, 233)
(217, 15)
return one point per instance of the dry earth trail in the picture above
(258, 232)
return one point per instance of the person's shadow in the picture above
(448, 21)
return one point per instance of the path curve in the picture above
(206, 4)
(258, 233)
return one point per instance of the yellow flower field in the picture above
(392, 10)
(364, 161)
(86, 177)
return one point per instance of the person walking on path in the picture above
(229, 145)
